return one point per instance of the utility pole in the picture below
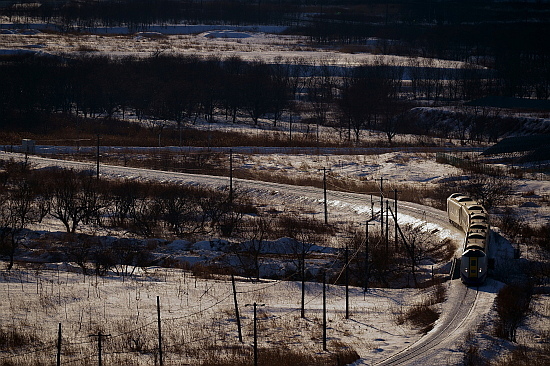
(160, 333)
(371, 207)
(395, 191)
(381, 207)
(387, 237)
(325, 193)
(303, 277)
(367, 254)
(230, 176)
(97, 157)
(237, 309)
(347, 279)
(255, 333)
(99, 348)
(324, 311)
(59, 345)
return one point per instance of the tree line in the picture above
(162, 89)
(73, 198)
(77, 199)
(501, 34)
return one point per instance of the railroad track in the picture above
(454, 318)
(427, 348)
(353, 199)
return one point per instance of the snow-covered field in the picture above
(196, 310)
(249, 43)
(198, 318)
(196, 314)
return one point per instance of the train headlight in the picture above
(465, 269)
(480, 269)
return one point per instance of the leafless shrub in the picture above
(208, 271)
(511, 304)
(473, 357)
(437, 294)
(490, 190)
(423, 315)
(294, 226)
(86, 48)
(509, 222)
(443, 250)
(13, 338)
(526, 355)
(284, 357)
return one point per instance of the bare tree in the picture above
(250, 252)
(75, 198)
(491, 190)
(19, 207)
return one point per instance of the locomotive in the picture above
(472, 218)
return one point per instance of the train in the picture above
(472, 218)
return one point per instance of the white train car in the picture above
(472, 218)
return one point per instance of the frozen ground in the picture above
(372, 330)
(198, 313)
(249, 43)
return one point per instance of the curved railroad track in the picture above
(426, 349)
(460, 312)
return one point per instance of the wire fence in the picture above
(191, 333)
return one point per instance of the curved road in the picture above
(462, 311)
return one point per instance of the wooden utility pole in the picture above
(255, 336)
(381, 207)
(99, 346)
(387, 237)
(59, 345)
(159, 331)
(237, 309)
(325, 194)
(97, 157)
(303, 277)
(410, 249)
(371, 207)
(230, 176)
(367, 269)
(395, 191)
(346, 274)
(255, 332)
(324, 311)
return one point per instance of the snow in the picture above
(198, 311)
(372, 330)
(194, 308)
(266, 43)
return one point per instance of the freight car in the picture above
(472, 218)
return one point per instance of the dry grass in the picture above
(423, 315)
(532, 355)
(191, 335)
(282, 357)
